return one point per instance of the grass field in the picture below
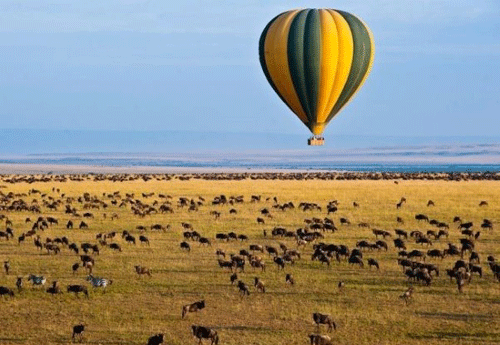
(368, 311)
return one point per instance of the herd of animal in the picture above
(278, 246)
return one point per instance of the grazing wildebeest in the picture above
(420, 217)
(424, 240)
(115, 246)
(430, 203)
(204, 240)
(259, 285)
(401, 233)
(221, 236)
(318, 339)
(156, 339)
(373, 262)
(435, 253)
(407, 295)
(483, 203)
(381, 244)
(465, 226)
(144, 239)
(243, 288)
(324, 319)
(201, 333)
(83, 225)
(476, 269)
(289, 279)
(54, 289)
(400, 244)
(184, 245)
(76, 289)
(382, 233)
(69, 225)
(474, 257)
(6, 291)
(344, 221)
(279, 262)
(193, 307)
(78, 331)
(130, 239)
(355, 260)
(416, 254)
(19, 283)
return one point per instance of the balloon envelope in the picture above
(316, 60)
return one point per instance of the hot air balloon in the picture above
(316, 60)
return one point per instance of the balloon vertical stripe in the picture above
(316, 60)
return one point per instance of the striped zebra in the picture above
(99, 282)
(37, 280)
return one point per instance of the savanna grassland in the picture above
(368, 311)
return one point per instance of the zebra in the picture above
(37, 280)
(99, 282)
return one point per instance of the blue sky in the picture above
(193, 65)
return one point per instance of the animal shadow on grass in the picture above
(456, 317)
(457, 335)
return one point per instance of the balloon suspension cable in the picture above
(316, 140)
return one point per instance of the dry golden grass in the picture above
(369, 310)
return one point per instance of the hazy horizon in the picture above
(35, 141)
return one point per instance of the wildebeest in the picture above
(354, 259)
(184, 245)
(318, 339)
(201, 333)
(400, 244)
(77, 289)
(130, 239)
(78, 331)
(156, 339)
(6, 291)
(259, 285)
(324, 319)
(54, 289)
(115, 246)
(144, 239)
(373, 262)
(193, 307)
(204, 240)
(435, 253)
(243, 288)
(382, 233)
(420, 217)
